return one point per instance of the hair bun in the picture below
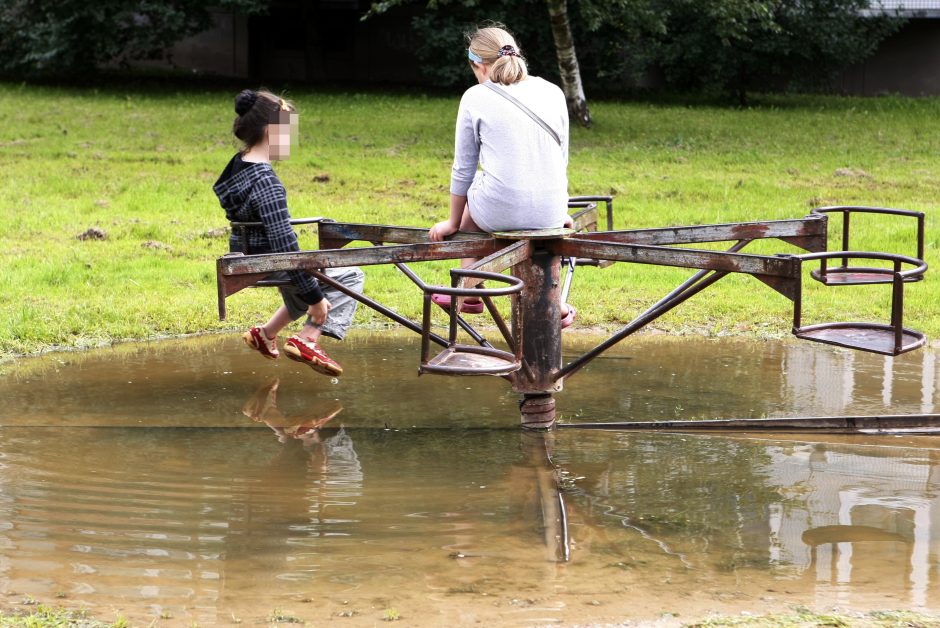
(245, 101)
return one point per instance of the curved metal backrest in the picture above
(848, 210)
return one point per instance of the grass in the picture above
(803, 618)
(49, 617)
(139, 164)
(42, 616)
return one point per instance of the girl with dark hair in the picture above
(250, 191)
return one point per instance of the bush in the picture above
(76, 37)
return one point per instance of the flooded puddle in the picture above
(186, 481)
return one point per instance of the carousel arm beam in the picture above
(767, 265)
(364, 256)
(235, 272)
(808, 233)
(339, 234)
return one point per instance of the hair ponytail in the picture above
(496, 46)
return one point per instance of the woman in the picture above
(522, 180)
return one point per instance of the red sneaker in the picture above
(313, 355)
(257, 340)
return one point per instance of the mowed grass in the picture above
(139, 164)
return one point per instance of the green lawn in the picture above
(49, 617)
(139, 164)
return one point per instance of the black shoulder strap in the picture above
(526, 110)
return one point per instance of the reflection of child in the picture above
(262, 407)
(329, 450)
(250, 191)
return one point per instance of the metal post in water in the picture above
(540, 315)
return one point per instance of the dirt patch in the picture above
(93, 233)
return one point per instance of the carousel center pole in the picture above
(540, 314)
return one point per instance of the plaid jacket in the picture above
(251, 192)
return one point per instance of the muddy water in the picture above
(186, 481)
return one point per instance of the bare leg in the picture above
(282, 319)
(310, 331)
(467, 224)
(278, 321)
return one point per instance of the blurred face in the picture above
(282, 134)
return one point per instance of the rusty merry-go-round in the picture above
(535, 271)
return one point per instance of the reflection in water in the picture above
(262, 406)
(847, 382)
(449, 524)
(537, 495)
(870, 514)
(841, 518)
(310, 490)
(148, 501)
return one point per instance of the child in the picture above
(250, 191)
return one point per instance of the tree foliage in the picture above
(747, 45)
(76, 37)
(734, 46)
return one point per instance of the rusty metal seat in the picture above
(887, 339)
(848, 275)
(462, 359)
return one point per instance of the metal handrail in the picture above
(608, 200)
(515, 284)
(293, 221)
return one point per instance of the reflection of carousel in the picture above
(851, 529)
(535, 478)
(534, 259)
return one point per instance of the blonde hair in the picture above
(488, 42)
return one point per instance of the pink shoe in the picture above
(568, 320)
(472, 307)
(313, 355)
(258, 340)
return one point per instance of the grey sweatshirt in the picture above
(523, 183)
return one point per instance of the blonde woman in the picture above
(510, 150)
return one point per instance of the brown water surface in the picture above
(191, 481)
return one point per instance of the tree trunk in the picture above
(568, 62)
